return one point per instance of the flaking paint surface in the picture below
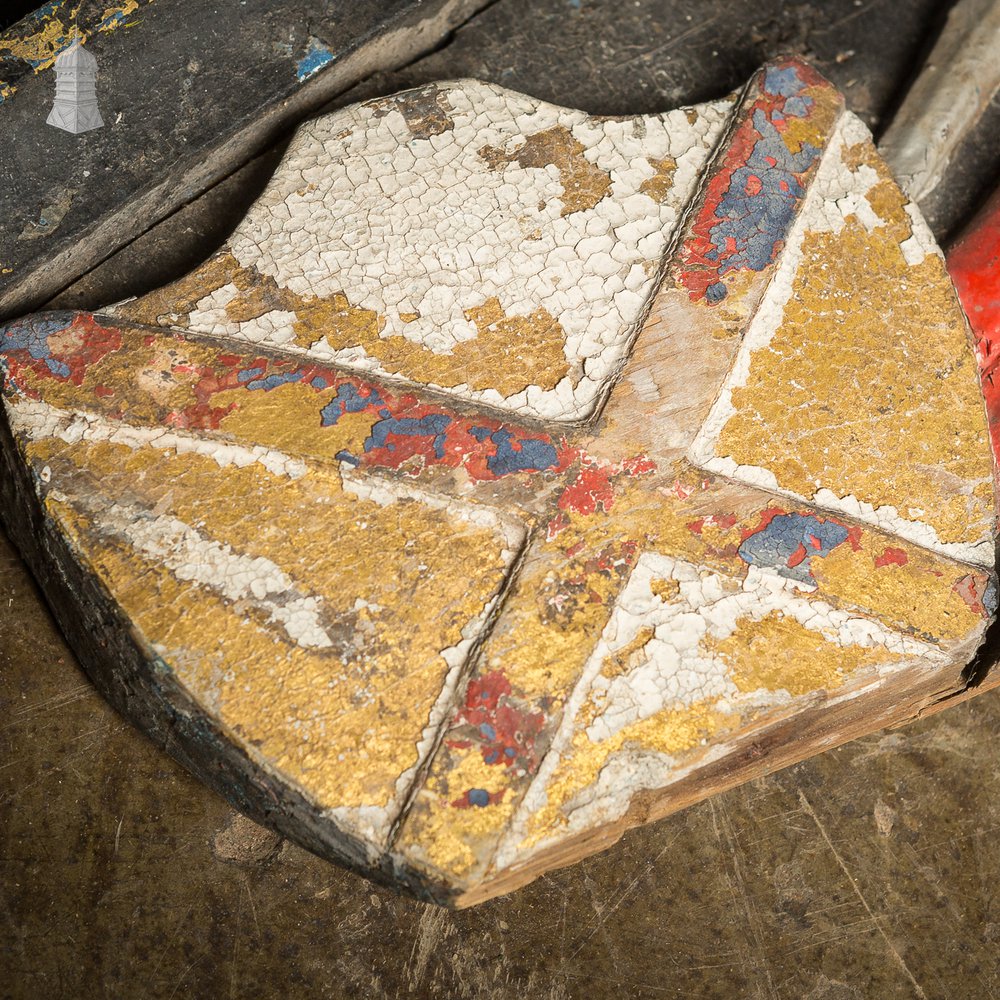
(348, 515)
(883, 375)
(214, 566)
(425, 243)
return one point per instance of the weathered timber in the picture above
(513, 476)
(953, 90)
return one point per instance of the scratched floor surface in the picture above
(871, 871)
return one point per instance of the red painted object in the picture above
(974, 263)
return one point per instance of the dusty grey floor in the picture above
(871, 871)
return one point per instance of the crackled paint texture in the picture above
(464, 237)
(208, 553)
(916, 411)
(438, 545)
(755, 194)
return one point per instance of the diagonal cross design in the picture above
(514, 476)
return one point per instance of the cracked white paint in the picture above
(235, 576)
(427, 228)
(675, 670)
(257, 583)
(37, 420)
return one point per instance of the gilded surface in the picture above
(313, 655)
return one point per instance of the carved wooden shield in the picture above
(513, 476)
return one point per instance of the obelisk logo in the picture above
(75, 107)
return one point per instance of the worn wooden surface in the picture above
(869, 871)
(955, 87)
(602, 547)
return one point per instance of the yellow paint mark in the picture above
(109, 18)
(817, 126)
(779, 653)
(662, 181)
(584, 184)
(288, 418)
(775, 653)
(450, 838)
(172, 304)
(508, 354)
(670, 732)
(43, 46)
(629, 656)
(665, 590)
(916, 596)
(56, 33)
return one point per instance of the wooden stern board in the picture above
(512, 476)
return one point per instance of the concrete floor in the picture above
(871, 871)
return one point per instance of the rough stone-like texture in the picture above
(188, 91)
(455, 646)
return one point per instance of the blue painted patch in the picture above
(716, 292)
(433, 425)
(757, 210)
(479, 797)
(783, 81)
(273, 381)
(33, 336)
(347, 400)
(248, 374)
(777, 544)
(346, 456)
(315, 58)
(524, 455)
(990, 597)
